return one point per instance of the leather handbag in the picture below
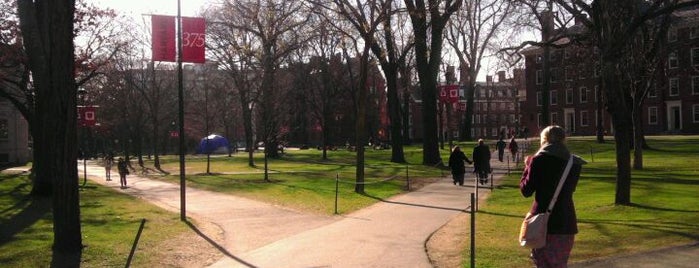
(532, 233)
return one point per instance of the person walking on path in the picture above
(457, 165)
(108, 162)
(123, 171)
(541, 174)
(481, 161)
(514, 148)
(500, 145)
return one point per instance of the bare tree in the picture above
(613, 25)
(471, 33)
(382, 37)
(429, 20)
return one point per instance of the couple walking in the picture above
(481, 163)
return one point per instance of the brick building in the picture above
(671, 108)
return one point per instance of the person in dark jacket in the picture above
(514, 148)
(123, 169)
(542, 172)
(457, 165)
(481, 161)
(500, 145)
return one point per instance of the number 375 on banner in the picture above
(164, 39)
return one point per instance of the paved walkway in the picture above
(392, 233)
(388, 234)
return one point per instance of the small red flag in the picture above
(193, 40)
(163, 39)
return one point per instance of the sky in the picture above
(135, 8)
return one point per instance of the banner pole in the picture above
(180, 93)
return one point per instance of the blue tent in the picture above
(213, 144)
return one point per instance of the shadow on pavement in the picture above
(217, 246)
(416, 205)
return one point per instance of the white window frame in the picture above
(695, 85)
(673, 61)
(584, 92)
(553, 97)
(652, 113)
(693, 32)
(581, 71)
(695, 56)
(539, 77)
(539, 118)
(569, 96)
(584, 119)
(569, 73)
(695, 113)
(538, 58)
(554, 118)
(676, 82)
(553, 78)
(653, 91)
(539, 98)
(596, 92)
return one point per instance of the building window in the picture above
(653, 115)
(478, 119)
(581, 71)
(494, 132)
(569, 73)
(584, 120)
(539, 77)
(4, 129)
(695, 85)
(596, 93)
(694, 32)
(672, 35)
(539, 58)
(539, 119)
(569, 96)
(566, 53)
(583, 94)
(672, 61)
(539, 98)
(598, 69)
(674, 86)
(653, 91)
(695, 56)
(554, 118)
(554, 75)
(695, 112)
(554, 97)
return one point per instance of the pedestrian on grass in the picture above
(542, 172)
(481, 161)
(457, 165)
(123, 168)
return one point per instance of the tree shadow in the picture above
(466, 209)
(660, 208)
(217, 246)
(35, 211)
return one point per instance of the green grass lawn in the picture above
(302, 180)
(665, 209)
(110, 221)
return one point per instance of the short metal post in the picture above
(491, 181)
(592, 156)
(473, 231)
(135, 243)
(337, 187)
(475, 205)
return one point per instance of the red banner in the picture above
(163, 39)
(86, 116)
(449, 93)
(193, 40)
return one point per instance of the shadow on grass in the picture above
(661, 209)
(217, 246)
(36, 210)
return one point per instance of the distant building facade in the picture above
(14, 135)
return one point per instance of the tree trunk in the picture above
(47, 30)
(468, 120)
(361, 133)
(600, 112)
(621, 117)
(638, 138)
(397, 155)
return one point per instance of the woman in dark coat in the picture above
(457, 165)
(123, 169)
(542, 172)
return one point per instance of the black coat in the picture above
(456, 162)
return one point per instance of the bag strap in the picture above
(560, 184)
